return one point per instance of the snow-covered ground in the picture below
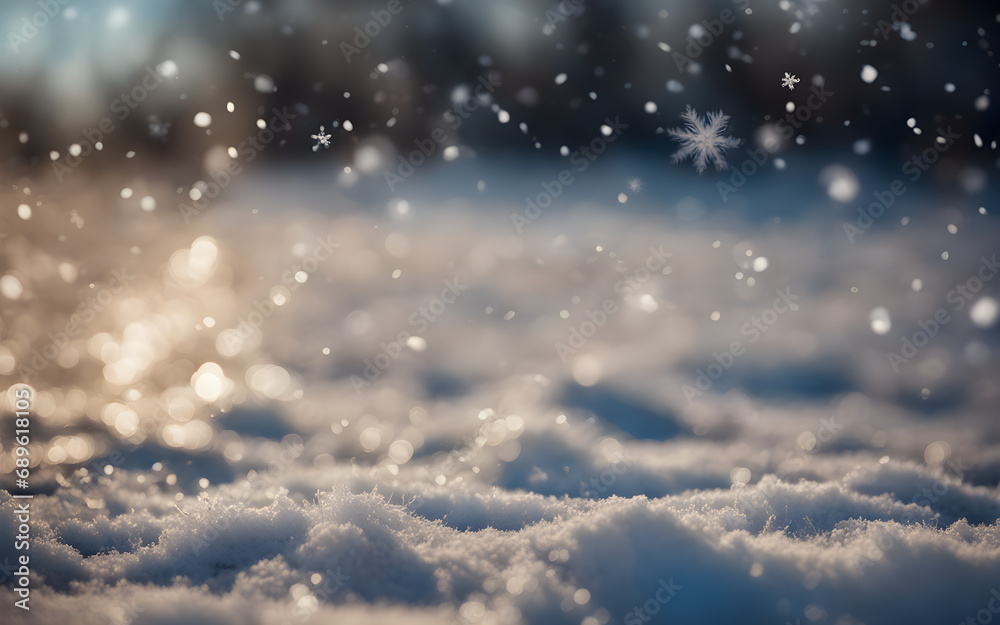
(306, 408)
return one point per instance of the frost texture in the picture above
(703, 140)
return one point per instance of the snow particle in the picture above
(880, 321)
(587, 371)
(937, 452)
(202, 120)
(740, 476)
(263, 83)
(322, 139)
(167, 69)
(984, 312)
(416, 343)
(840, 182)
(11, 287)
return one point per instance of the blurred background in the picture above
(560, 73)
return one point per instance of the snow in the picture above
(703, 140)
(479, 479)
(322, 139)
(823, 545)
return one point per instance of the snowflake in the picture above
(703, 140)
(322, 139)
(158, 129)
(635, 184)
(789, 81)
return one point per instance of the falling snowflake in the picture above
(322, 139)
(703, 140)
(635, 184)
(789, 81)
(76, 219)
(158, 129)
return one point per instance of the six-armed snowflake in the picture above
(789, 81)
(703, 141)
(322, 139)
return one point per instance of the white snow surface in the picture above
(538, 491)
